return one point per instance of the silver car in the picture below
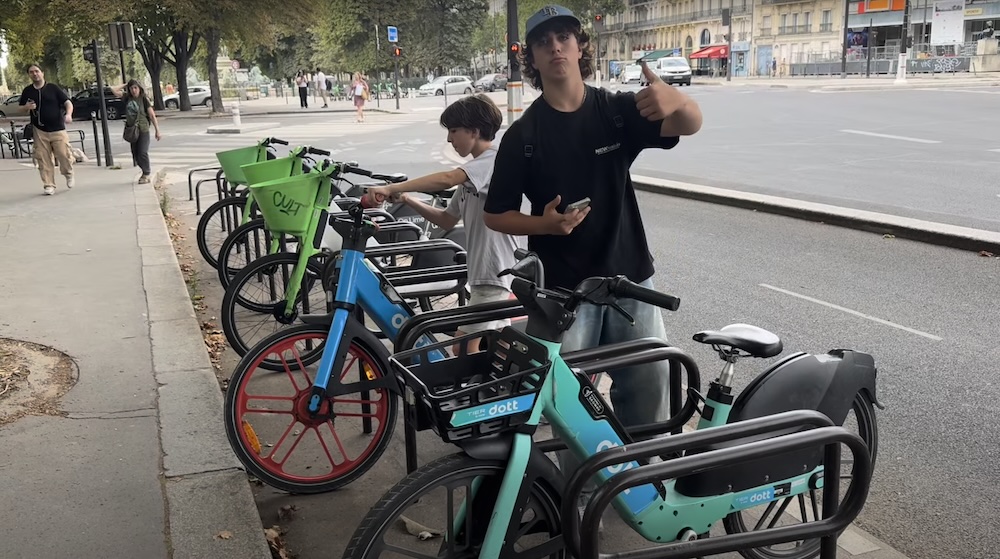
(199, 95)
(456, 85)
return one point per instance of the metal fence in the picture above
(922, 58)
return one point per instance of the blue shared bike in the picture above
(757, 462)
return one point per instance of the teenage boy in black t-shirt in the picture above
(583, 141)
(50, 111)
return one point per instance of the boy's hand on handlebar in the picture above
(562, 223)
(381, 193)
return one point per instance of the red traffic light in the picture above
(598, 17)
(396, 51)
(515, 48)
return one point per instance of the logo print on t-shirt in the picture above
(608, 149)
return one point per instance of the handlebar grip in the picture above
(318, 151)
(277, 141)
(350, 168)
(521, 253)
(626, 288)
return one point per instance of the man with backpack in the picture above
(574, 143)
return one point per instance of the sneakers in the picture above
(144, 179)
(49, 190)
(70, 181)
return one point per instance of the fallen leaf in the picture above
(985, 254)
(888, 236)
(419, 530)
(276, 543)
(224, 535)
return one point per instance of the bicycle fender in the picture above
(498, 447)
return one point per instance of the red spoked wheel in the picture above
(276, 438)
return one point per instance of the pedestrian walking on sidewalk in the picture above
(139, 113)
(303, 84)
(360, 91)
(50, 110)
(319, 79)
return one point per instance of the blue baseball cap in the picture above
(547, 14)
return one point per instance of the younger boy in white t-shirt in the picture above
(472, 124)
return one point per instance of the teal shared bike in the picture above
(752, 457)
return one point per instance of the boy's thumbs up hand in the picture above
(657, 100)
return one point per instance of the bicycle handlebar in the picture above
(622, 287)
(276, 141)
(317, 151)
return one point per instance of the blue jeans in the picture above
(639, 394)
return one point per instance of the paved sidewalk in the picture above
(133, 461)
(836, 83)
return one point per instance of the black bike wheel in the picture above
(247, 320)
(217, 223)
(378, 534)
(246, 244)
(269, 427)
(737, 522)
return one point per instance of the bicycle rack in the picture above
(193, 190)
(593, 360)
(582, 536)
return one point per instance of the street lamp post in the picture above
(901, 67)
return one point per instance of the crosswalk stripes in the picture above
(342, 137)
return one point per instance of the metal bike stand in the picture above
(582, 535)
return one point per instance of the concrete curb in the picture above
(205, 488)
(245, 113)
(953, 236)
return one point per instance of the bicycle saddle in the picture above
(751, 339)
(390, 178)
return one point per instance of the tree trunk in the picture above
(153, 61)
(213, 39)
(182, 59)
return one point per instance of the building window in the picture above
(783, 28)
(827, 22)
(706, 37)
(807, 16)
(765, 22)
(795, 20)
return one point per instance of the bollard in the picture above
(17, 144)
(97, 142)
(236, 115)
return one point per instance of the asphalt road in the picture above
(928, 314)
(928, 154)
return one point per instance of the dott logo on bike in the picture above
(286, 205)
(756, 497)
(492, 410)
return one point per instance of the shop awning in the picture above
(714, 51)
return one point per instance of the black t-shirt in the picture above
(578, 155)
(50, 116)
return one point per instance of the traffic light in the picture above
(599, 23)
(397, 52)
(598, 18)
(515, 49)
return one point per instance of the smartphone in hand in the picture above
(578, 205)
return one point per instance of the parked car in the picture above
(198, 95)
(491, 82)
(674, 70)
(88, 101)
(13, 100)
(456, 85)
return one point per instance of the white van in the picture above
(674, 70)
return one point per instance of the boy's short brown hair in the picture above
(475, 112)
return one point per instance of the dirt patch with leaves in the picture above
(33, 378)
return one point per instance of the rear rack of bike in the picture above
(582, 534)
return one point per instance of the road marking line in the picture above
(891, 137)
(996, 150)
(852, 312)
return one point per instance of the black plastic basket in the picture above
(473, 395)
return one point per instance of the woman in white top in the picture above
(360, 90)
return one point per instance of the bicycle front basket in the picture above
(232, 160)
(272, 169)
(287, 204)
(477, 394)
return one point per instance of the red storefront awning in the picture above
(714, 51)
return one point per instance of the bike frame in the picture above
(656, 511)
